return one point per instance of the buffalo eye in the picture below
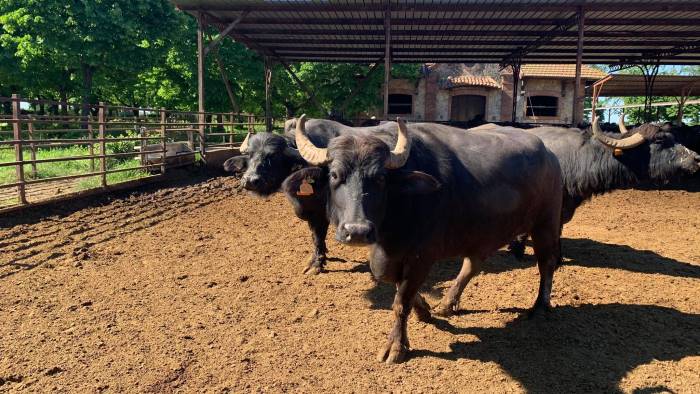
(334, 176)
(665, 139)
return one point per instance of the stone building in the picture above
(466, 93)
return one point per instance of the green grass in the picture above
(86, 166)
(72, 167)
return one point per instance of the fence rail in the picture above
(74, 148)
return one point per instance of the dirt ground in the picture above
(198, 287)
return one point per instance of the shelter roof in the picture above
(460, 31)
(623, 85)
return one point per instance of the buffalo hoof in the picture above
(517, 249)
(446, 309)
(313, 270)
(315, 267)
(539, 310)
(393, 352)
(421, 309)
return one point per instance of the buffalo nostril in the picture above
(250, 182)
(255, 180)
(347, 232)
(358, 232)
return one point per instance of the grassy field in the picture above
(72, 167)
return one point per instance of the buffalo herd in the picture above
(419, 193)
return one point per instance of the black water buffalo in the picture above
(688, 136)
(269, 158)
(593, 162)
(439, 193)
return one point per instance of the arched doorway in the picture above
(468, 107)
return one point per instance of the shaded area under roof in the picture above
(537, 31)
(623, 85)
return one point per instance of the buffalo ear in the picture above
(294, 154)
(236, 164)
(412, 182)
(315, 176)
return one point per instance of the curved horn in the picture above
(623, 143)
(621, 125)
(399, 155)
(244, 145)
(310, 152)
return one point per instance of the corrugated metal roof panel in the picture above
(615, 30)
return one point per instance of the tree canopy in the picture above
(143, 53)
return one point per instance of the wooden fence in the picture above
(67, 150)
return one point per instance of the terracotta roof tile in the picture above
(560, 71)
(468, 80)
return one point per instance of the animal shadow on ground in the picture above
(62, 208)
(689, 184)
(586, 348)
(588, 253)
(576, 251)
(61, 235)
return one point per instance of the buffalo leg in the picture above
(319, 229)
(397, 342)
(568, 208)
(421, 309)
(470, 268)
(547, 250)
(517, 247)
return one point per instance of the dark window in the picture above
(400, 104)
(542, 106)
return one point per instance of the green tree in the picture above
(144, 53)
(86, 41)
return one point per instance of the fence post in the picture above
(17, 131)
(231, 130)
(163, 119)
(32, 147)
(202, 135)
(91, 147)
(142, 134)
(103, 144)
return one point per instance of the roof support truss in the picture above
(542, 40)
(387, 59)
(576, 116)
(650, 72)
(653, 57)
(361, 84)
(268, 92)
(303, 86)
(516, 82)
(215, 42)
